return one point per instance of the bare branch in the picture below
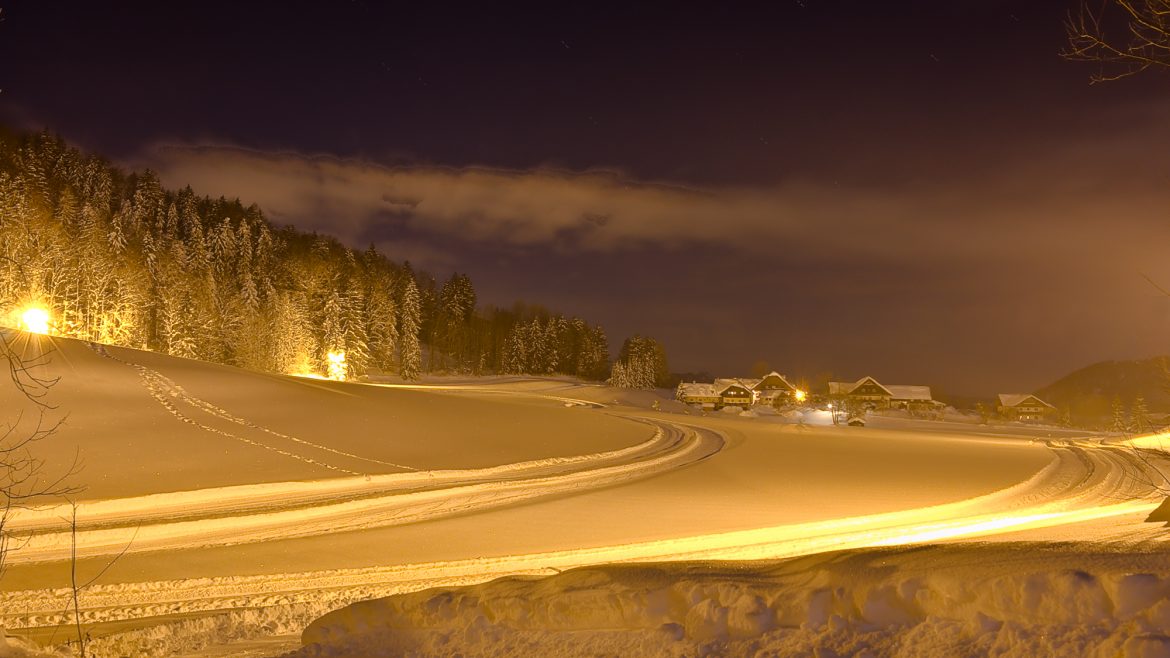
(1093, 37)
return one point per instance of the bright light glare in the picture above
(36, 320)
(336, 366)
(800, 395)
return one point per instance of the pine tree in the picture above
(121, 260)
(1119, 423)
(643, 363)
(1139, 415)
(409, 325)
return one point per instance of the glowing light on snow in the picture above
(336, 363)
(36, 320)
(800, 395)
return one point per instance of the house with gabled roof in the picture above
(868, 392)
(721, 393)
(735, 392)
(1024, 406)
(696, 393)
(738, 391)
(773, 386)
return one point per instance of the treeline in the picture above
(118, 259)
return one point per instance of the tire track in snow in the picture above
(160, 387)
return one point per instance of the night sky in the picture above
(924, 192)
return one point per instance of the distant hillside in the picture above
(1088, 393)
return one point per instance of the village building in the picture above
(735, 393)
(703, 395)
(739, 392)
(911, 397)
(721, 393)
(1024, 406)
(868, 393)
(772, 387)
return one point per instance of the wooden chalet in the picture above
(703, 395)
(773, 386)
(738, 392)
(868, 393)
(735, 393)
(1024, 406)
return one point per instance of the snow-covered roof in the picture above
(757, 382)
(723, 384)
(1014, 399)
(909, 392)
(845, 388)
(896, 391)
(698, 390)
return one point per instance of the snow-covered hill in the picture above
(249, 504)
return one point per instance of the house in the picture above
(701, 394)
(734, 392)
(773, 386)
(868, 393)
(738, 391)
(1024, 406)
(910, 397)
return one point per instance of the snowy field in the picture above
(244, 506)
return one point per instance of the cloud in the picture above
(1030, 265)
(1053, 201)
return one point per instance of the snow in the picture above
(909, 392)
(970, 600)
(239, 533)
(15, 647)
(144, 423)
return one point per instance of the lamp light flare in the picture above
(800, 395)
(336, 366)
(35, 320)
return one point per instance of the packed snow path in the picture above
(378, 490)
(269, 512)
(1084, 481)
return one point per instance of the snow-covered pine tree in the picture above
(357, 348)
(644, 363)
(1119, 423)
(1139, 415)
(618, 377)
(409, 325)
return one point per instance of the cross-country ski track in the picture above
(1083, 481)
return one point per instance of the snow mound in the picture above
(14, 647)
(1003, 600)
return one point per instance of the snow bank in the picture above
(1001, 600)
(14, 647)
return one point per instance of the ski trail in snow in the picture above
(464, 388)
(256, 513)
(1058, 494)
(1082, 483)
(160, 386)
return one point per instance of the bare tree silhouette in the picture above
(22, 473)
(1125, 37)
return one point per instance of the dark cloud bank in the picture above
(1002, 278)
